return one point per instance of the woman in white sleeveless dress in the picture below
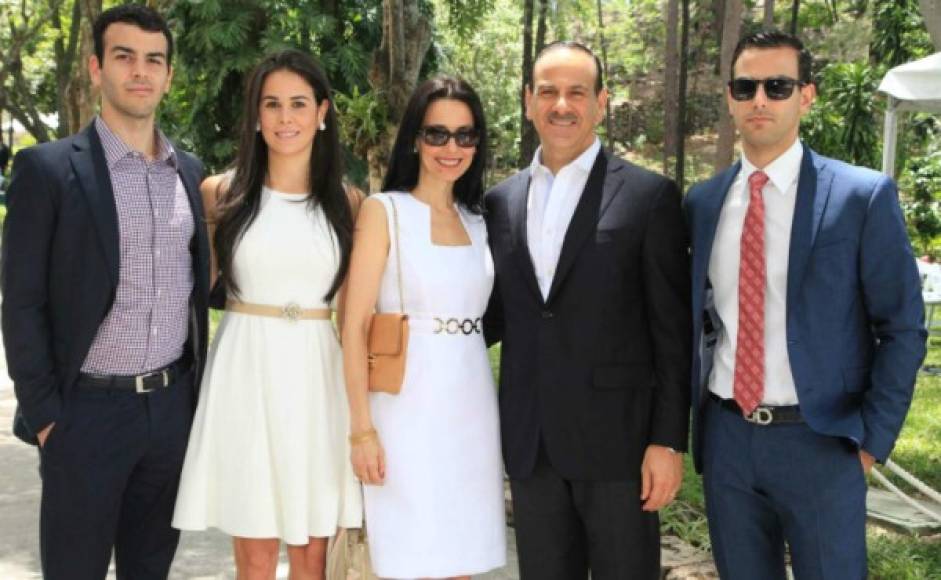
(266, 460)
(430, 456)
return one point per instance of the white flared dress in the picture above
(441, 510)
(268, 455)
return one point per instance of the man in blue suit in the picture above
(808, 332)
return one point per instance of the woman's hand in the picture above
(368, 458)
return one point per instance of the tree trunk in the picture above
(527, 131)
(65, 52)
(82, 96)
(931, 13)
(541, 27)
(671, 84)
(768, 21)
(731, 28)
(406, 36)
(795, 10)
(680, 175)
(608, 121)
(718, 12)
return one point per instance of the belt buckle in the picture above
(291, 311)
(456, 326)
(139, 381)
(760, 416)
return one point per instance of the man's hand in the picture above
(867, 460)
(44, 434)
(661, 476)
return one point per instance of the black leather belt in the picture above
(141, 384)
(763, 414)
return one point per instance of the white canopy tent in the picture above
(913, 86)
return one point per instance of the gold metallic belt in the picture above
(290, 311)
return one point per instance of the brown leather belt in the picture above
(290, 311)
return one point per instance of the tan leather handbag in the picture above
(348, 556)
(387, 343)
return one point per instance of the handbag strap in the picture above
(398, 253)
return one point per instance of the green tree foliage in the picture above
(844, 121)
(489, 58)
(899, 33)
(921, 187)
(220, 41)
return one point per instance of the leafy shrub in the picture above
(921, 201)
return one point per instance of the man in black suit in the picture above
(592, 305)
(104, 278)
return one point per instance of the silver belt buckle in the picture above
(455, 326)
(291, 311)
(760, 416)
(139, 381)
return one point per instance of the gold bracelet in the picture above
(363, 436)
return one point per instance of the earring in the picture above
(258, 127)
(323, 126)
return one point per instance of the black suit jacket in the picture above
(60, 270)
(601, 368)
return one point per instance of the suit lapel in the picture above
(91, 168)
(598, 193)
(189, 176)
(517, 208)
(813, 191)
(712, 208)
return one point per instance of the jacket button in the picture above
(547, 314)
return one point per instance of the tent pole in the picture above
(890, 137)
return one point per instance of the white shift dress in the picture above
(441, 510)
(268, 455)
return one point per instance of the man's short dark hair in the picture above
(573, 45)
(776, 39)
(141, 16)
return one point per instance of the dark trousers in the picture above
(770, 485)
(110, 471)
(565, 528)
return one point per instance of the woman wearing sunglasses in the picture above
(429, 456)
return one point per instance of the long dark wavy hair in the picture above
(241, 201)
(404, 163)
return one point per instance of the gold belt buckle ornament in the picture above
(291, 311)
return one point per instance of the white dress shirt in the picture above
(550, 207)
(779, 194)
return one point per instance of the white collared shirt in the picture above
(780, 195)
(550, 207)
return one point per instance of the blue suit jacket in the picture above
(855, 317)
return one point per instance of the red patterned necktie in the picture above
(749, 382)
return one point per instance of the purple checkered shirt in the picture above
(147, 326)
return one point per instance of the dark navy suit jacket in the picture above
(60, 270)
(855, 316)
(598, 370)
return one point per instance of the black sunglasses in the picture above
(776, 88)
(437, 136)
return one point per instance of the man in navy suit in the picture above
(808, 332)
(105, 285)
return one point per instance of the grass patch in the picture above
(899, 557)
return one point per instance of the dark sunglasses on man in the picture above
(437, 136)
(776, 88)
